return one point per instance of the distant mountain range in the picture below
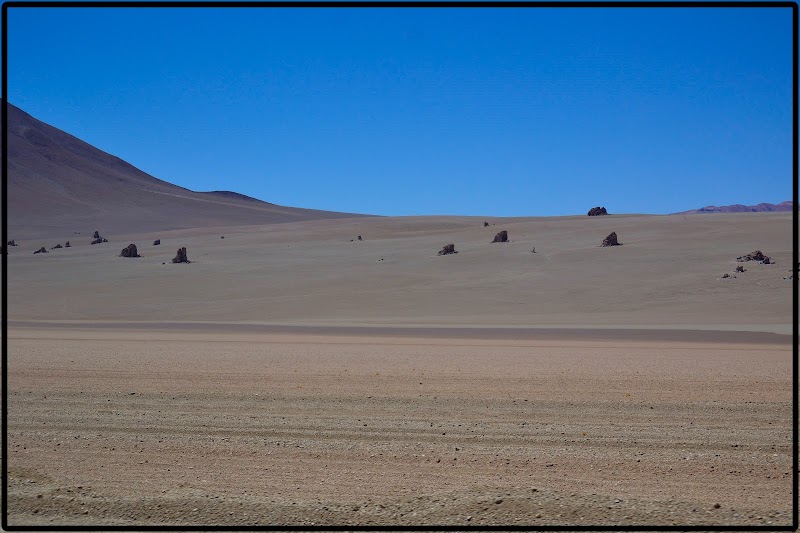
(739, 208)
(60, 184)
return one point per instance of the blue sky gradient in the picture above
(491, 112)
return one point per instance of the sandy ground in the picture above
(133, 427)
(291, 376)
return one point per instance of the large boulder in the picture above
(130, 251)
(597, 211)
(41, 250)
(181, 256)
(611, 240)
(448, 249)
(501, 237)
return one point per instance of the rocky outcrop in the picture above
(758, 255)
(181, 256)
(41, 250)
(501, 237)
(448, 249)
(611, 240)
(156, 242)
(597, 211)
(129, 251)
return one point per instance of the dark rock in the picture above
(56, 246)
(41, 250)
(181, 256)
(130, 251)
(726, 275)
(448, 249)
(67, 245)
(611, 240)
(11, 243)
(359, 238)
(222, 236)
(485, 224)
(597, 211)
(156, 242)
(105, 240)
(758, 255)
(96, 235)
(501, 237)
(740, 268)
(534, 250)
(98, 241)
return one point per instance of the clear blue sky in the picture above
(506, 112)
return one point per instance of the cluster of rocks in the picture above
(359, 238)
(611, 240)
(597, 211)
(756, 256)
(181, 257)
(41, 250)
(501, 237)
(97, 238)
(156, 242)
(56, 246)
(448, 249)
(130, 251)
(11, 243)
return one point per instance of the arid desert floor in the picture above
(288, 376)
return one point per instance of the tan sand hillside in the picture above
(667, 273)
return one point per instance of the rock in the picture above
(611, 240)
(67, 245)
(11, 243)
(181, 256)
(359, 238)
(501, 237)
(740, 268)
(41, 250)
(96, 235)
(130, 251)
(98, 241)
(758, 255)
(485, 224)
(597, 211)
(56, 246)
(448, 249)
(726, 275)
(156, 242)
(105, 240)
(534, 250)
(222, 236)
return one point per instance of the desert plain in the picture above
(292, 374)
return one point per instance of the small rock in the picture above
(501, 237)
(740, 268)
(67, 245)
(611, 240)
(11, 243)
(156, 242)
(448, 249)
(498, 501)
(96, 234)
(56, 246)
(181, 256)
(485, 224)
(717, 506)
(41, 250)
(359, 238)
(597, 211)
(222, 237)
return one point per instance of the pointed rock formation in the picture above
(501, 237)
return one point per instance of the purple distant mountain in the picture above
(739, 208)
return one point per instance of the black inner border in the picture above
(397, 4)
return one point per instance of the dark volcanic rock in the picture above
(11, 243)
(611, 240)
(41, 250)
(740, 268)
(501, 237)
(98, 241)
(156, 242)
(67, 245)
(96, 235)
(56, 246)
(359, 238)
(597, 211)
(758, 255)
(181, 256)
(485, 224)
(448, 249)
(130, 251)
